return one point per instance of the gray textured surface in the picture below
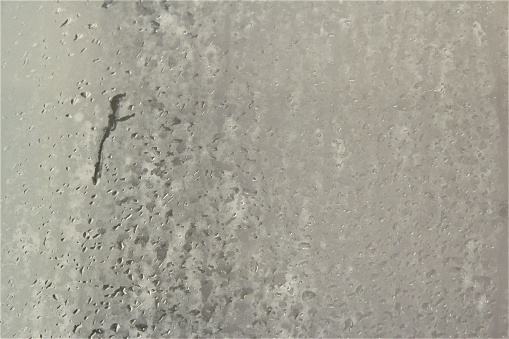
(291, 169)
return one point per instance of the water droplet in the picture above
(304, 245)
(308, 295)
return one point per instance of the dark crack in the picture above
(113, 119)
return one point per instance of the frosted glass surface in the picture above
(254, 169)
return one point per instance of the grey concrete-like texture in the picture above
(300, 169)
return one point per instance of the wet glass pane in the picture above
(254, 169)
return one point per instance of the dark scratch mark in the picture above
(65, 23)
(113, 119)
(107, 3)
